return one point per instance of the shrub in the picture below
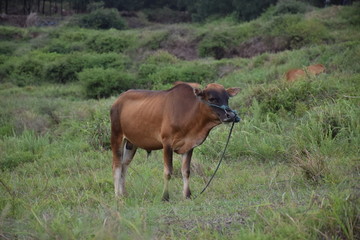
(61, 46)
(106, 60)
(101, 83)
(351, 14)
(298, 31)
(102, 43)
(27, 71)
(7, 48)
(288, 7)
(191, 72)
(215, 45)
(161, 57)
(151, 39)
(103, 19)
(64, 69)
(290, 99)
(167, 15)
(11, 33)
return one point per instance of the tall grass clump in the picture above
(340, 217)
(97, 128)
(329, 129)
(19, 149)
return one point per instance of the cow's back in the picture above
(293, 74)
(145, 117)
(316, 69)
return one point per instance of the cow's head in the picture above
(217, 97)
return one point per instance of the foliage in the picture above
(7, 47)
(102, 18)
(11, 33)
(103, 43)
(291, 168)
(299, 31)
(64, 69)
(100, 83)
(246, 10)
(29, 148)
(215, 45)
(287, 7)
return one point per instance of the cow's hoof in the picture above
(165, 197)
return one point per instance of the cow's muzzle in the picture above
(230, 115)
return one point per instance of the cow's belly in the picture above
(144, 137)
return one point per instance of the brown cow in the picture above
(316, 69)
(294, 74)
(175, 120)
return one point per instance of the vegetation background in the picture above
(292, 169)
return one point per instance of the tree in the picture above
(247, 10)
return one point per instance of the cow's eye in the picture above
(212, 100)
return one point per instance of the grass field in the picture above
(292, 169)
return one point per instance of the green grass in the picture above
(291, 170)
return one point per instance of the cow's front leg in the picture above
(185, 170)
(168, 169)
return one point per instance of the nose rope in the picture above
(237, 119)
(226, 110)
(218, 166)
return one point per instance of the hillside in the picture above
(292, 169)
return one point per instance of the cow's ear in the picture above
(198, 92)
(233, 91)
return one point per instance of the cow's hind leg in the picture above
(117, 150)
(128, 154)
(123, 153)
(185, 170)
(168, 169)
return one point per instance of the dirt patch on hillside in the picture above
(182, 46)
(181, 43)
(259, 45)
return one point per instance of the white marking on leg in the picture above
(185, 175)
(117, 177)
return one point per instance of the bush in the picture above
(351, 14)
(60, 46)
(101, 83)
(110, 42)
(152, 74)
(26, 71)
(215, 45)
(162, 57)
(288, 7)
(7, 48)
(64, 69)
(106, 60)
(103, 19)
(291, 99)
(298, 31)
(11, 33)
(167, 15)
